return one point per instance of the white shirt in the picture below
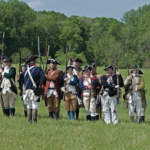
(50, 91)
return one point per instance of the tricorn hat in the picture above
(7, 60)
(54, 61)
(76, 60)
(134, 68)
(70, 66)
(4, 57)
(31, 58)
(109, 66)
(87, 67)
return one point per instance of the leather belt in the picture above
(51, 88)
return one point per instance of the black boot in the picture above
(25, 113)
(34, 115)
(11, 112)
(97, 117)
(93, 118)
(50, 115)
(55, 115)
(77, 114)
(6, 112)
(29, 113)
(142, 119)
(88, 117)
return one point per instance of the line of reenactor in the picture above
(82, 88)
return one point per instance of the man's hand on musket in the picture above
(65, 79)
(64, 90)
(117, 72)
(91, 76)
(1, 70)
(129, 78)
(90, 87)
(117, 86)
(130, 87)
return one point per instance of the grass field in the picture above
(16, 133)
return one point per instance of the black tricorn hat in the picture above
(7, 60)
(109, 66)
(54, 61)
(134, 68)
(31, 58)
(70, 66)
(24, 60)
(4, 57)
(76, 60)
(87, 67)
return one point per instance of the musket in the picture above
(90, 92)
(32, 46)
(127, 64)
(20, 68)
(69, 53)
(39, 52)
(128, 75)
(2, 49)
(47, 57)
(118, 89)
(65, 74)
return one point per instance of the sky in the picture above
(88, 8)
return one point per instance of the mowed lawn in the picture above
(16, 133)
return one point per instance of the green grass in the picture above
(16, 133)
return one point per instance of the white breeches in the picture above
(92, 110)
(32, 104)
(110, 109)
(142, 112)
(137, 106)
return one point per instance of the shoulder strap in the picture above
(31, 77)
(29, 69)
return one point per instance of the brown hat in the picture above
(76, 60)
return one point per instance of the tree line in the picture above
(109, 36)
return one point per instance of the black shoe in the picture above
(77, 114)
(55, 115)
(93, 118)
(6, 112)
(50, 115)
(88, 117)
(11, 112)
(97, 117)
(25, 113)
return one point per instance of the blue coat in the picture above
(83, 87)
(74, 82)
(36, 73)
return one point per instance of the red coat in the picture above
(53, 76)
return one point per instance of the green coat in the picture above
(141, 88)
(11, 74)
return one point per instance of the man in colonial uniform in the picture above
(134, 84)
(19, 79)
(89, 92)
(9, 90)
(52, 90)
(77, 71)
(98, 89)
(70, 92)
(109, 94)
(31, 80)
(3, 65)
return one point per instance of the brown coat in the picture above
(54, 76)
